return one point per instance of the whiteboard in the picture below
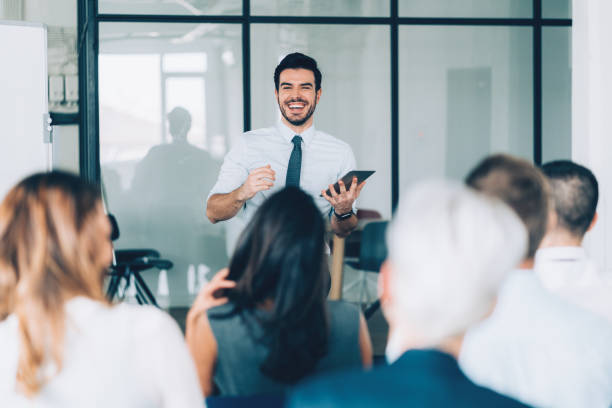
(23, 102)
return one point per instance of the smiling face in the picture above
(297, 97)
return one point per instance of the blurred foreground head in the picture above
(280, 260)
(450, 247)
(520, 185)
(54, 245)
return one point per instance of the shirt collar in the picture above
(288, 134)
(568, 253)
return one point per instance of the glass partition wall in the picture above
(417, 88)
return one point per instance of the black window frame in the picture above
(89, 20)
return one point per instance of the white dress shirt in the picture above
(120, 356)
(325, 159)
(569, 273)
(540, 349)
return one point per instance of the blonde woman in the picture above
(61, 343)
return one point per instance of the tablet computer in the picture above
(347, 179)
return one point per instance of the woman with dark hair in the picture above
(277, 326)
(62, 344)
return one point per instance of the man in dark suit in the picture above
(449, 249)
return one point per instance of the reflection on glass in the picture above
(464, 92)
(184, 62)
(341, 8)
(181, 91)
(556, 8)
(355, 99)
(556, 93)
(168, 106)
(466, 8)
(176, 7)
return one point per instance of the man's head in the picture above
(450, 247)
(575, 194)
(520, 185)
(297, 82)
(179, 123)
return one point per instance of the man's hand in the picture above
(258, 180)
(206, 299)
(221, 207)
(343, 202)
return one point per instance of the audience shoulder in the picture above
(146, 321)
(330, 389)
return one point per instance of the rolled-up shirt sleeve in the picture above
(233, 172)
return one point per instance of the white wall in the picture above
(60, 17)
(66, 148)
(591, 90)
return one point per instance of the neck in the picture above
(452, 345)
(526, 264)
(298, 130)
(560, 238)
(179, 139)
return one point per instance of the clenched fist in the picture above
(258, 180)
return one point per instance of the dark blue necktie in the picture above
(295, 163)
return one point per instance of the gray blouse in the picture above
(240, 355)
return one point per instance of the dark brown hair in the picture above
(520, 185)
(298, 60)
(280, 257)
(575, 193)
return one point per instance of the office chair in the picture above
(372, 254)
(126, 267)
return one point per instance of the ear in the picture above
(318, 95)
(276, 94)
(593, 221)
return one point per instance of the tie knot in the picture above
(296, 140)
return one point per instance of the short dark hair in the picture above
(575, 194)
(298, 60)
(520, 185)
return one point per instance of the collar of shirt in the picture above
(561, 254)
(288, 134)
(565, 267)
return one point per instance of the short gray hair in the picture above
(450, 247)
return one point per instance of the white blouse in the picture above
(120, 356)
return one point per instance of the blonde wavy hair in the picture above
(50, 236)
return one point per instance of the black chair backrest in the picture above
(373, 250)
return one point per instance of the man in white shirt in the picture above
(291, 153)
(561, 263)
(535, 346)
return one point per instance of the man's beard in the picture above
(298, 122)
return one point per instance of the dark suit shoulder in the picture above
(419, 378)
